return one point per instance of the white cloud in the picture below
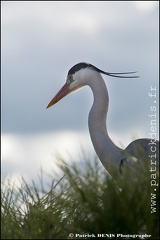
(28, 153)
(24, 155)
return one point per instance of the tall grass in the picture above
(85, 200)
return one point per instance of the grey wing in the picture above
(140, 150)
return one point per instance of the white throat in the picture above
(106, 150)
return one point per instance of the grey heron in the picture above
(83, 74)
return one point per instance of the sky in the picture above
(40, 42)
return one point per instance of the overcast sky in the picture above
(40, 42)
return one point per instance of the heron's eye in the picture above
(70, 78)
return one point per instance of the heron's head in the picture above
(78, 76)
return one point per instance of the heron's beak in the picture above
(65, 90)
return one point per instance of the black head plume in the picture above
(82, 65)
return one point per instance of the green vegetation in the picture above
(86, 200)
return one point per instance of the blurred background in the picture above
(41, 41)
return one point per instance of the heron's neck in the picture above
(106, 150)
